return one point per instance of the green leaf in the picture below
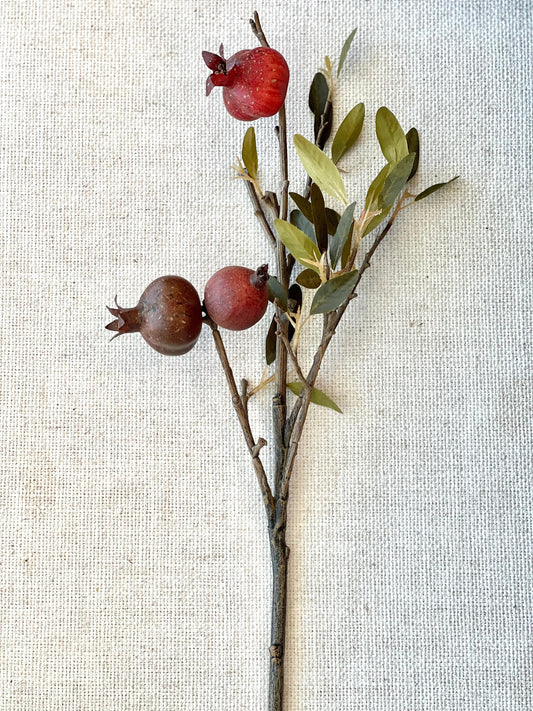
(348, 132)
(432, 189)
(395, 181)
(302, 223)
(298, 243)
(270, 342)
(319, 217)
(341, 235)
(277, 291)
(332, 219)
(347, 247)
(303, 205)
(413, 146)
(321, 169)
(318, 98)
(309, 279)
(390, 136)
(318, 94)
(249, 152)
(376, 186)
(317, 396)
(392, 179)
(333, 293)
(345, 49)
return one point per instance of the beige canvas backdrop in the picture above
(134, 569)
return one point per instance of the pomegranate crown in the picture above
(126, 321)
(217, 64)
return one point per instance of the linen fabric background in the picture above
(135, 568)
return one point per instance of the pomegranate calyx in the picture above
(260, 277)
(127, 320)
(215, 62)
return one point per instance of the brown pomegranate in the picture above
(168, 316)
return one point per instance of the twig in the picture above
(260, 213)
(241, 410)
(298, 415)
(258, 30)
(291, 353)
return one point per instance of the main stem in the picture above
(280, 557)
(278, 547)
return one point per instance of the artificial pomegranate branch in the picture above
(325, 244)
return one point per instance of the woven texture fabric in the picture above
(134, 561)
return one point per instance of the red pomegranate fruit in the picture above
(168, 316)
(254, 81)
(236, 297)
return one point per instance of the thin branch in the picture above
(244, 421)
(291, 353)
(298, 415)
(258, 30)
(260, 213)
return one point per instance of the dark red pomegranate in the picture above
(168, 316)
(236, 297)
(255, 81)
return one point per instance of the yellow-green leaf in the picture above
(348, 132)
(317, 396)
(387, 187)
(249, 152)
(390, 136)
(320, 168)
(298, 243)
(376, 186)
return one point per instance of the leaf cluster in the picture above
(323, 240)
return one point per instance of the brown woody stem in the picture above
(242, 414)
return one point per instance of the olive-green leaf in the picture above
(302, 223)
(347, 247)
(298, 243)
(348, 132)
(413, 146)
(320, 168)
(341, 235)
(319, 217)
(376, 186)
(432, 189)
(270, 342)
(318, 98)
(332, 219)
(318, 94)
(309, 279)
(392, 179)
(333, 293)
(345, 49)
(390, 136)
(277, 291)
(317, 396)
(395, 181)
(303, 205)
(249, 152)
